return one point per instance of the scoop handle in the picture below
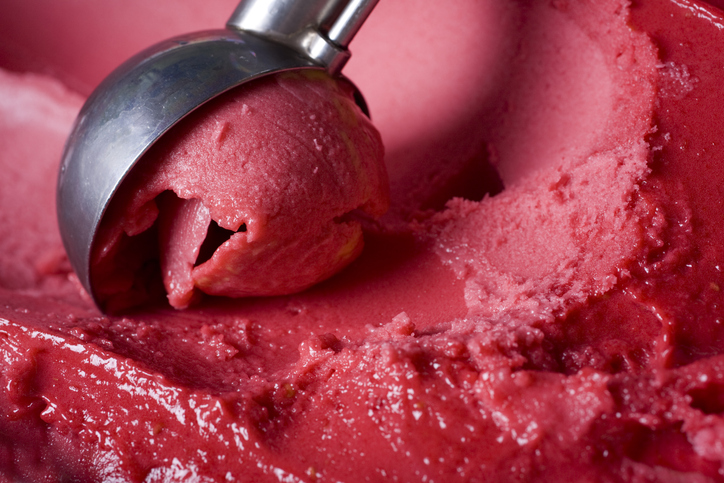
(319, 29)
(350, 21)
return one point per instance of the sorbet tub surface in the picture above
(542, 302)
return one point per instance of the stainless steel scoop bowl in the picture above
(148, 94)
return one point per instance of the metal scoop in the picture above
(148, 94)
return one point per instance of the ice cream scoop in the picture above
(148, 94)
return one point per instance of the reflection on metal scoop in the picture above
(152, 91)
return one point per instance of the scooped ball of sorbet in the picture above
(259, 192)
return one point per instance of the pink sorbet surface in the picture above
(542, 302)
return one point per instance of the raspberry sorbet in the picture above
(542, 301)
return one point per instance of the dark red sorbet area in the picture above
(614, 333)
(687, 179)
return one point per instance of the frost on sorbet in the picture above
(259, 192)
